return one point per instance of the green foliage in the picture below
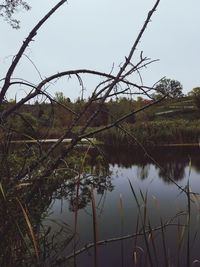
(195, 91)
(60, 98)
(23, 124)
(171, 88)
(27, 124)
(45, 120)
(120, 108)
(197, 101)
(195, 94)
(154, 133)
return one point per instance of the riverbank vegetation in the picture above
(154, 133)
(173, 121)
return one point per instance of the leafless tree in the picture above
(111, 85)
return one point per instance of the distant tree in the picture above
(12, 101)
(9, 7)
(60, 98)
(68, 100)
(62, 110)
(139, 99)
(195, 94)
(170, 88)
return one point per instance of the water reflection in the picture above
(173, 170)
(99, 174)
(143, 171)
(170, 162)
(25, 241)
(80, 200)
(164, 201)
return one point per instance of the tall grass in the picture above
(121, 209)
(151, 245)
(188, 222)
(30, 229)
(184, 233)
(76, 202)
(150, 252)
(94, 220)
(143, 221)
(154, 133)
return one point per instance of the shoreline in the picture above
(99, 142)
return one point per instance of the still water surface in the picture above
(117, 211)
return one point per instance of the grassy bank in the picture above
(154, 133)
(150, 133)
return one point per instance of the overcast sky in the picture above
(95, 34)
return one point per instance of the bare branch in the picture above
(23, 48)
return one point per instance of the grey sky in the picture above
(95, 34)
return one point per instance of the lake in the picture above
(152, 175)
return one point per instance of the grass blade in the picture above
(164, 244)
(30, 229)
(2, 191)
(188, 223)
(94, 219)
(122, 227)
(151, 237)
(143, 225)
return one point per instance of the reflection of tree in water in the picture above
(95, 174)
(64, 184)
(172, 160)
(173, 170)
(143, 171)
(13, 225)
(36, 195)
(196, 164)
(87, 181)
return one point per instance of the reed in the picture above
(2, 191)
(143, 224)
(122, 227)
(154, 133)
(179, 242)
(148, 255)
(30, 228)
(135, 246)
(94, 220)
(152, 239)
(164, 244)
(76, 202)
(183, 232)
(188, 222)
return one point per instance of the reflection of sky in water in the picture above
(164, 200)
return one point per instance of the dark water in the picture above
(150, 174)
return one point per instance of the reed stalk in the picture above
(76, 207)
(188, 223)
(30, 228)
(2, 191)
(135, 241)
(122, 227)
(94, 220)
(143, 225)
(164, 244)
(152, 238)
